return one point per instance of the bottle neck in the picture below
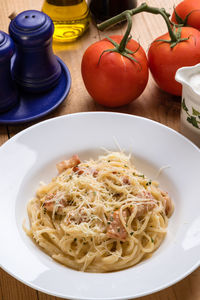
(64, 2)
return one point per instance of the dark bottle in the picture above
(102, 10)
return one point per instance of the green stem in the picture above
(124, 41)
(142, 8)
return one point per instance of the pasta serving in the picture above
(99, 215)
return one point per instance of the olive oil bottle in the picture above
(70, 18)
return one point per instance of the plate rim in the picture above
(69, 115)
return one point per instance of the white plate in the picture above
(30, 157)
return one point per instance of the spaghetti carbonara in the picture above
(99, 215)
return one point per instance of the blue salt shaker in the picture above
(8, 92)
(35, 67)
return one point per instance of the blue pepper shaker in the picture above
(8, 92)
(35, 67)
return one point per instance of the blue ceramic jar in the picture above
(35, 67)
(8, 92)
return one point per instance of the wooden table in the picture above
(153, 104)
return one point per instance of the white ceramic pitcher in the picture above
(189, 77)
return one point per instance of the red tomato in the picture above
(165, 61)
(114, 80)
(186, 7)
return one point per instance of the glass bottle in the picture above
(70, 18)
(104, 9)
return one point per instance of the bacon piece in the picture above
(66, 164)
(142, 209)
(145, 195)
(169, 207)
(94, 172)
(49, 204)
(78, 170)
(77, 217)
(115, 229)
(126, 180)
(87, 171)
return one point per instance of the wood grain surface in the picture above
(153, 104)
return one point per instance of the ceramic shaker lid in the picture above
(31, 27)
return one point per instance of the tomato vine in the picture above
(175, 35)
